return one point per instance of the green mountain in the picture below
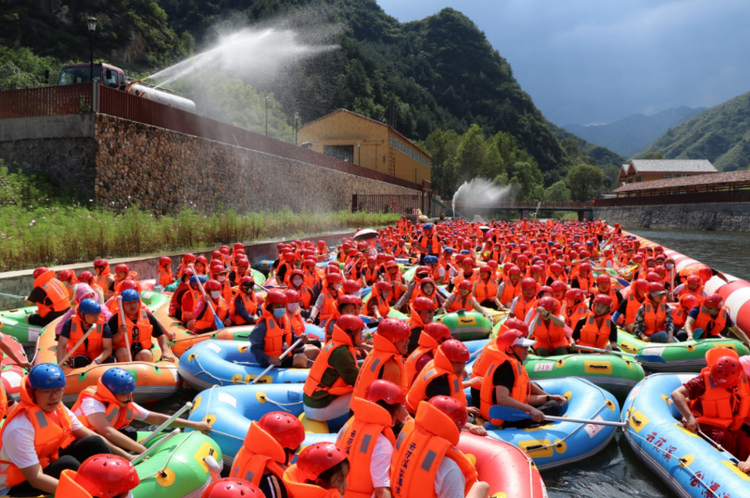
(575, 146)
(720, 134)
(634, 133)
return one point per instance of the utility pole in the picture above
(91, 23)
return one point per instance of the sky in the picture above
(597, 61)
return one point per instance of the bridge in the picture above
(585, 210)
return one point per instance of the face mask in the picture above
(337, 286)
(215, 294)
(279, 312)
(293, 307)
(221, 278)
(297, 282)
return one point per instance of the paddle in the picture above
(649, 358)
(73, 349)
(171, 419)
(151, 449)
(502, 412)
(121, 312)
(217, 322)
(271, 367)
(13, 295)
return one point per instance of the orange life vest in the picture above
(522, 307)
(56, 292)
(145, 330)
(52, 432)
(521, 386)
(574, 313)
(370, 274)
(207, 321)
(485, 291)
(465, 303)
(612, 293)
(585, 283)
(164, 276)
(118, 414)
(3, 403)
(434, 240)
(313, 384)
(439, 366)
(305, 296)
(631, 309)
(358, 439)
(311, 278)
(92, 346)
(427, 346)
(248, 301)
(296, 322)
(296, 483)
(380, 364)
(276, 335)
(329, 305)
(721, 406)
(510, 291)
(679, 317)
(104, 279)
(593, 336)
(420, 447)
(718, 322)
(376, 301)
(69, 488)
(260, 452)
(654, 317)
(395, 280)
(548, 335)
(489, 354)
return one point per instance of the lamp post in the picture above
(91, 22)
(296, 130)
(266, 115)
(359, 154)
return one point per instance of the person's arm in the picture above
(447, 303)
(258, 341)
(158, 328)
(739, 333)
(639, 326)
(155, 418)
(621, 311)
(680, 398)
(577, 331)
(479, 309)
(102, 426)
(7, 351)
(479, 489)
(504, 398)
(345, 365)
(540, 396)
(39, 480)
(315, 311)
(241, 311)
(668, 325)
(37, 295)
(83, 432)
(407, 295)
(166, 351)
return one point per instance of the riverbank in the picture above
(727, 217)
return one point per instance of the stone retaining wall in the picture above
(729, 217)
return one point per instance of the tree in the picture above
(557, 192)
(527, 177)
(653, 155)
(611, 174)
(584, 180)
(442, 146)
(470, 154)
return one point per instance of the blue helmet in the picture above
(449, 250)
(47, 375)
(589, 243)
(427, 226)
(431, 260)
(550, 243)
(194, 280)
(130, 295)
(465, 252)
(118, 381)
(89, 307)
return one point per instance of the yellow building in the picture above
(368, 143)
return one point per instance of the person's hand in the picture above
(572, 344)
(203, 427)
(477, 429)
(205, 299)
(536, 415)
(130, 457)
(25, 364)
(275, 361)
(472, 410)
(303, 337)
(559, 398)
(227, 322)
(309, 320)
(691, 424)
(645, 338)
(540, 310)
(744, 466)
(122, 329)
(167, 356)
(608, 347)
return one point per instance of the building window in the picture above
(343, 152)
(673, 176)
(639, 178)
(402, 147)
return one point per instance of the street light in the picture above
(266, 115)
(91, 22)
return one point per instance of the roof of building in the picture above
(704, 180)
(369, 119)
(673, 166)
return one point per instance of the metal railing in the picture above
(686, 198)
(46, 101)
(558, 206)
(384, 203)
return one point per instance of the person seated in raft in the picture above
(50, 297)
(485, 290)
(432, 336)
(573, 307)
(330, 383)
(584, 280)
(243, 309)
(686, 303)
(713, 319)
(596, 329)
(442, 376)
(123, 273)
(325, 306)
(86, 277)
(269, 447)
(140, 327)
(604, 286)
(653, 322)
(510, 287)
(175, 302)
(306, 294)
(286, 265)
(346, 304)
(188, 259)
(190, 300)
(717, 402)
(219, 273)
(422, 313)
(321, 471)
(104, 278)
(376, 305)
(83, 291)
(427, 462)
(386, 360)
(99, 475)
(201, 266)
(379, 415)
(164, 275)
(369, 274)
(507, 383)
(463, 300)
(429, 243)
(311, 276)
(625, 314)
(437, 271)
(69, 281)
(548, 329)
(239, 272)
(108, 409)
(526, 301)
(692, 286)
(41, 437)
(211, 305)
(294, 317)
(97, 347)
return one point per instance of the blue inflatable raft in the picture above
(687, 463)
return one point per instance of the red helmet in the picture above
(351, 286)
(660, 270)
(247, 279)
(523, 258)
(348, 299)
(288, 256)
(334, 278)
(238, 245)
(382, 286)
(105, 476)
(286, 429)
(128, 284)
(641, 284)
(465, 284)
(423, 270)
(536, 269)
(122, 268)
(384, 390)
(85, 277)
(224, 249)
(216, 254)
(321, 243)
(585, 267)
(575, 294)
(310, 262)
(549, 304)
(187, 272)
(726, 371)
(467, 261)
(713, 301)
(655, 288)
(427, 280)
(437, 331)
(298, 272)
(164, 261)
(545, 288)
(603, 279)
(316, 459)
(423, 303)
(394, 330)
(689, 302)
(453, 408)
(372, 260)
(705, 273)
(64, 275)
(201, 259)
(350, 323)
(528, 283)
(292, 296)
(101, 262)
(514, 270)
(243, 263)
(585, 254)
(558, 286)
(217, 267)
(212, 285)
(651, 259)
(485, 268)
(603, 299)
(275, 297)
(516, 324)
(555, 268)
(492, 264)
(229, 487)
(652, 277)
(188, 257)
(694, 280)
(456, 351)
(239, 252)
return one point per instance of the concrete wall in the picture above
(730, 217)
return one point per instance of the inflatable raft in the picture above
(12, 374)
(466, 325)
(686, 462)
(259, 277)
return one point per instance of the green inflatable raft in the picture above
(681, 356)
(13, 322)
(466, 325)
(260, 279)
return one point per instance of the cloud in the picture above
(585, 61)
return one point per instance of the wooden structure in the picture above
(645, 170)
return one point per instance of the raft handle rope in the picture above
(161, 472)
(494, 436)
(159, 443)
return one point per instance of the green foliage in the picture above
(20, 68)
(584, 152)
(584, 181)
(22, 190)
(653, 155)
(611, 174)
(557, 192)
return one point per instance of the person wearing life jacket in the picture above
(604, 286)
(297, 283)
(104, 277)
(548, 329)
(201, 266)
(386, 360)
(108, 409)
(86, 277)
(108, 476)
(686, 303)
(369, 274)
(463, 300)
(41, 437)
(421, 285)
(596, 329)
(269, 447)
(653, 321)
(330, 383)
(573, 308)
(713, 318)
(49, 295)
(693, 286)
(507, 383)
(240, 271)
(140, 326)
(467, 272)
(422, 313)
(510, 287)
(175, 302)
(164, 276)
(559, 288)
(717, 401)
(210, 305)
(426, 462)
(584, 280)
(320, 472)
(437, 271)
(629, 306)
(190, 300)
(97, 347)
(273, 335)
(243, 309)
(379, 415)
(485, 289)
(394, 277)
(325, 306)
(188, 259)
(429, 243)
(122, 273)
(83, 291)
(524, 302)
(376, 305)
(346, 304)
(219, 273)
(556, 272)
(69, 281)
(432, 336)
